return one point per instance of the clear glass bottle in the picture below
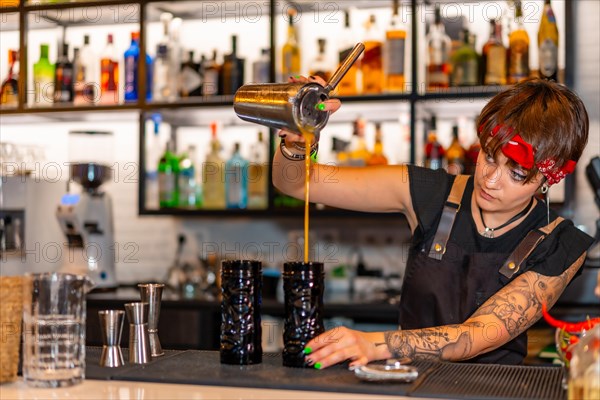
(190, 196)
(548, 44)
(213, 175)
(494, 57)
(258, 174)
(86, 87)
(43, 79)
(518, 49)
(438, 54)
(319, 66)
(349, 85)
(584, 368)
(109, 73)
(236, 180)
(372, 60)
(465, 62)
(232, 71)
(394, 52)
(261, 68)
(9, 91)
(290, 52)
(163, 75)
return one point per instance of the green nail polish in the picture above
(318, 365)
(297, 77)
(321, 106)
(307, 350)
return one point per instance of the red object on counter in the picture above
(571, 327)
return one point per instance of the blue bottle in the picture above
(131, 68)
(236, 180)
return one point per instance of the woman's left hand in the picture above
(341, 344)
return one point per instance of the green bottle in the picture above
(43, 79)
(168, 169)
(465, 62)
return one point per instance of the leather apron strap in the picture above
(525, 248)
(451, 208)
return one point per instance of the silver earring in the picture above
(545, 188)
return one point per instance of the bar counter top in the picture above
(194, 374)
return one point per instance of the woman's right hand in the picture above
(330, 105)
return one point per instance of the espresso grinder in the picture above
(86, 219)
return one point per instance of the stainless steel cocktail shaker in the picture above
(290, 106)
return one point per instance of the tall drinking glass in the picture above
(54, 329)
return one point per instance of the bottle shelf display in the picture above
(423, 55)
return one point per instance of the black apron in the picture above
(445, 285)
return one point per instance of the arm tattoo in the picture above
(519, 304)
(452, 342)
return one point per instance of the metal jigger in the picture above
(139, 343)
(151, 293)
(111, 323)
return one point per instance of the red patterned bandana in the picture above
(523, 154)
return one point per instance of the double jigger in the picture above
(143, 329)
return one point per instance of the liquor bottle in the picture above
(109, 74)
(455, 155)
(438, 50)
(86, 84)
(348, 86)
(191, 80)
(372, 63)
(548, 44)
(319, 66)
(471, 155)
(434, 152)
(168, 168)
(162, 89)
(291, 56)
(377, 157)
(232, 71)
(153, 154)
(394, 52)
(190, 195)
(465, 62)
(518, 49)
(9, 91)
(213, 169)
(212, 69)
(175, 53)
(236, 180)
(261, 68)
(43, 79)
(258, 175)
(63, 77)
(494, 57)
(358, 153)
(132, 55)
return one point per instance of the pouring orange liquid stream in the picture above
(309, 136)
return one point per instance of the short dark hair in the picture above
(546, 114)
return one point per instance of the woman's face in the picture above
(500, 187)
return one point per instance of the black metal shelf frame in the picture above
(413, 97)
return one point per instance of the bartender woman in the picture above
(486, 253)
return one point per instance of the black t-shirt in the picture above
(557, 252)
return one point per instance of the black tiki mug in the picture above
(241, 332)
(303, 290)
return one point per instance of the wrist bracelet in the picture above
(294, 156)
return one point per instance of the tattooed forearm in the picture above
(450, 342)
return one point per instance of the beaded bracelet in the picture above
(294, 156)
